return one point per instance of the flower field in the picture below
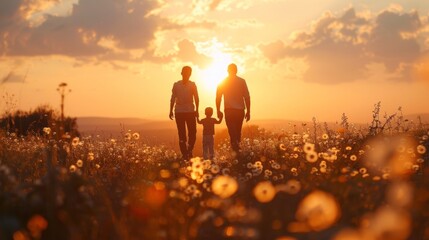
(315, 184)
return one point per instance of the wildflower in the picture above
(312, 156)
(47, 130)
(348, 148)
(308, 147)
(127, 136)
(206, 164)
(421, 149)
(75, 142)
(314, 170)
(225, 171)
(249, 165)
(97, 166)
(136, 136)
(264, 191)
(79, 163)
(215, 169)
(183, 182)
(354, 173)
(207, 177)
(293, 186)
(224, 186)
(164, 173)
(353, 158)
(72, 168)
(90, 156)
(282, 147)
(325, 136)
(362, 171)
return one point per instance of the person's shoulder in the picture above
(176, 83)
(192, 83)
(241, 79)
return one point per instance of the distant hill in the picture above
(114, 126)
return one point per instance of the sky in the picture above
(300, 59)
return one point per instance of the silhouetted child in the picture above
(208, 132)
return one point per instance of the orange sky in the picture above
(300, 58)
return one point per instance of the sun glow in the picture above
(216, 71)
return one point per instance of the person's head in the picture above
(186, 72)
(208, 111)
(232, 69)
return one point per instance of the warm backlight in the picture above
(216, 71)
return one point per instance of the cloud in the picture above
(127, 23)
(341, 49)
(11, 77)
(186, 52)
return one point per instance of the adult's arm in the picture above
(218, 101)
(172, 102)
(197, 101)
(247, 101)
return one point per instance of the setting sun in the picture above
(216, 71)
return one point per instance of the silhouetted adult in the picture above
(236, 100)
(183, 97)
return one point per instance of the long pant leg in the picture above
(181, 129)
(206, 154)
(239, 126)
(210, 146)
(191, 123)
(234, 122)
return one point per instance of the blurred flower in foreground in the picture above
(389, 153)
(317, 211)
(224, 186)
(387, 223)
(264, 191)
(36, 225)
(292, 187)
(400, 194)
(348, 234)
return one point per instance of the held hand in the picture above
(171, 116)
(197, 115)
(247, 117)
(220, 115)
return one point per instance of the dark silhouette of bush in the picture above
(33, 122)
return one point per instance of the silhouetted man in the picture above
(183, 96)
(236, 100)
